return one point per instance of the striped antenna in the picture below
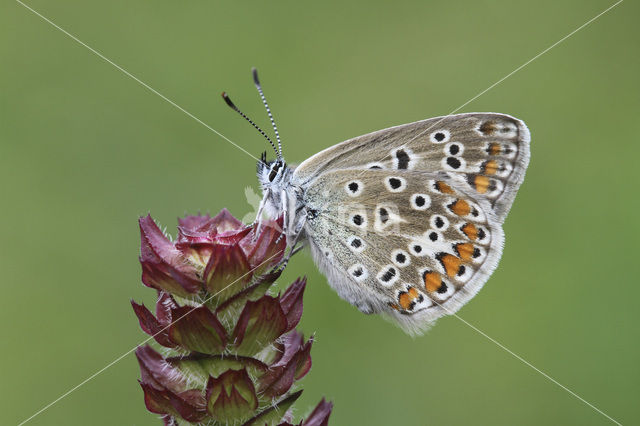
(256, 81)
(235, 108)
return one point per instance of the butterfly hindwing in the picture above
(485, 153)
(408, 243)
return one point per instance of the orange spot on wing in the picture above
(470, 230)
(490, 167)
(488, 127)
(460, 207)
(443, 187)
(432, 281)
(465, 251)
(451, 264)
(481, 183)
(406, 299)
(394, 306)
(494, 148)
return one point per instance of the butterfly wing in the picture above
(409, 244)
(486, 153)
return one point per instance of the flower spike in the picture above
(231, 354)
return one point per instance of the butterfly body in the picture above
(406, 221)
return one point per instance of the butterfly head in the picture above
(271, 174)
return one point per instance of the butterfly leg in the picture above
(259, 215)
(294, 244)
(285, 214)
(296, 250)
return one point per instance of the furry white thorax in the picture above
(281, 197)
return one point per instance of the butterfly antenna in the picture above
(235, 108)
(256, 81)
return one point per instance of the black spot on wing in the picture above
(403, 159)
(384, 215)
(453, 162)
(388, 275)
(395, 183)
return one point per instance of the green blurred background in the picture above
(85, 150)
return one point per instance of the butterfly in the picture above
(405, 222)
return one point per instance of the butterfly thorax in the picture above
(279, 195)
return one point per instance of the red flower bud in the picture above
(231, 396)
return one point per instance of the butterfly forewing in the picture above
(409, 243)
(485, 153)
